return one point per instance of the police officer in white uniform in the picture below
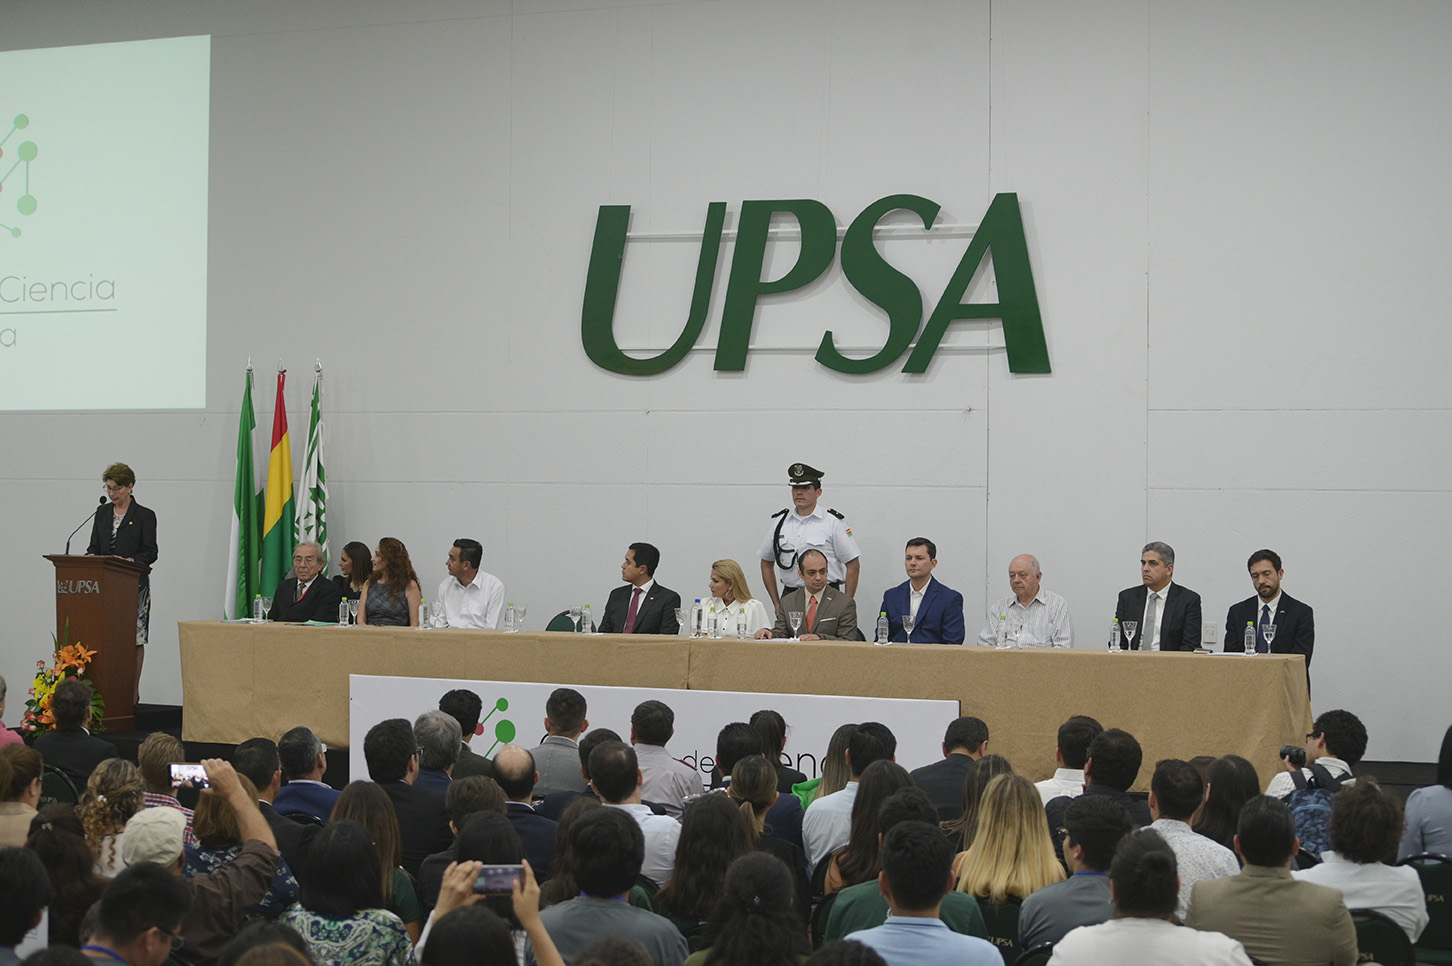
(805, 526)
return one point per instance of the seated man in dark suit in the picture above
(465, 707)
(514, 771)
(438, 744)
(1294, 621)
(257, 758)
(642, 606)
(464, 797)
(391, 752)
(1113, 765)
(304, 760)
(1167, 615)
(965, 741)
(69, 746)
(307, 596)
(937, 609)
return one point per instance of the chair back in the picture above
(561, 622)
(56, 788)
(1035, 955)
(1002, 923)
(1435, 871)
(820, 915)
(304, 818)
(1380, 940)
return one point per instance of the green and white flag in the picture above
(245, 544)
(312, 516)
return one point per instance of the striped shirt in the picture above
(1044, 622)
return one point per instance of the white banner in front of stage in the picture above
(514, 712)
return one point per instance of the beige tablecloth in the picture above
(243, 680)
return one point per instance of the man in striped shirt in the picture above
(1041, 617)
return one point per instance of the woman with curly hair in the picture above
(961, 830)
(356, 566)
(857, 861)
(368, 804)
(753, 922)
(57, 837)
(714, 834)
(20, 771)
(391, 596)
(219, 838)
(113, 794)
(1012, 854)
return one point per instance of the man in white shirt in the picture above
(664, 780)
(615, 777)
(1337, 741)
(804, 525)
(470, 597)
(1176, 791)
(1075, 736)
(1041, 616)
(828, 822)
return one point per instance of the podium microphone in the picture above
(78, 529)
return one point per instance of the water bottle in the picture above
(698, 616)
(587, 626)
(1003, 641)
(259, 614)
(882, 629)
(741, 631)
(424, 615)
(509, 617)
(343, 612)
(713, 623)
(1114, 636)
(1250, 641)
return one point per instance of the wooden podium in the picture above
(97, 597)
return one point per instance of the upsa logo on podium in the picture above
(77, 586)
(999, 236)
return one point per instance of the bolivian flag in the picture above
(277, 521)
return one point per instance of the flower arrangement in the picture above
(70, 662)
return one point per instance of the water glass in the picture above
(519, 610)
(795, 619)
(266, 608)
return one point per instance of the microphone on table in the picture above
(83, 523)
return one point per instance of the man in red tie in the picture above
(642, 606)
(827, 614)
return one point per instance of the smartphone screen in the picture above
(493, 879)
(185, 773)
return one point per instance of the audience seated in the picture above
(1277, 918)
(303, 759)
(773, 730)
(57, 837)
(1075, 736)
(965, 741)
(1111, 768)
(392, 756)
(1337, 742)
(439, 742)
(1093, 828)
(916, 875)
(340, 915)
(1176, 791)
(465, 707)
(140, 912)
(553, 805)
(264, 934)
(219, 842)
(69, 746)
(367, 804)
(113, 794)
(474, 935)
(615, 777)
(607, 848)
(836, 773)
(464, 797)
(515, 773)
(25, 891)
(754, 924)
(740, 740)
(857, 861)
(1232, 782)
(557, 758)
(714, 834)
(1012, 854)
(258, 759)
(20, 771)
(154, 760)
(863, 906)
(1366, 824)
(828, 821)
(491, 839)
(1429, 811)
(753, 788)
(664, 779)
(1142, 931)
(960, 831)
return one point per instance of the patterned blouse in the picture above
(373, 937)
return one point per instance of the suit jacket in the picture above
(293, 838)
(320, 603)
(536, 834)
(307, 799)
(423, 825)
(943, 781)
(1277, 918)
(939, 620)
(136, 538)
(836, 615)
(1054, 811)
(656, 614)
(74, 752)
(471, 764)
(1179, 626)
(1295, 626)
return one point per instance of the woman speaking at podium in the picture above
(125, 528)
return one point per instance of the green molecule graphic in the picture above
(504, 730)
(27, 151)
(16, 174)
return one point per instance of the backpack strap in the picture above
(1298, 777)
(1322, 777)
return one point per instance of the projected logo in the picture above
(504, 730)
(16, 176)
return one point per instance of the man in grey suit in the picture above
(557, 758)
(827, 614)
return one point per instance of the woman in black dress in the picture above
(125, 528)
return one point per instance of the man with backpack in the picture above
(1333, 748)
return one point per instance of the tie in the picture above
(1148, 635)
(1261, 646)
(634, 610)
(811, 615)
(301, 590)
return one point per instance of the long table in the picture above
(241, 681)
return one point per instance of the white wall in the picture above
(1236, 216)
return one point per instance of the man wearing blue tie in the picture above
(1295, 626)
(936, 610)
